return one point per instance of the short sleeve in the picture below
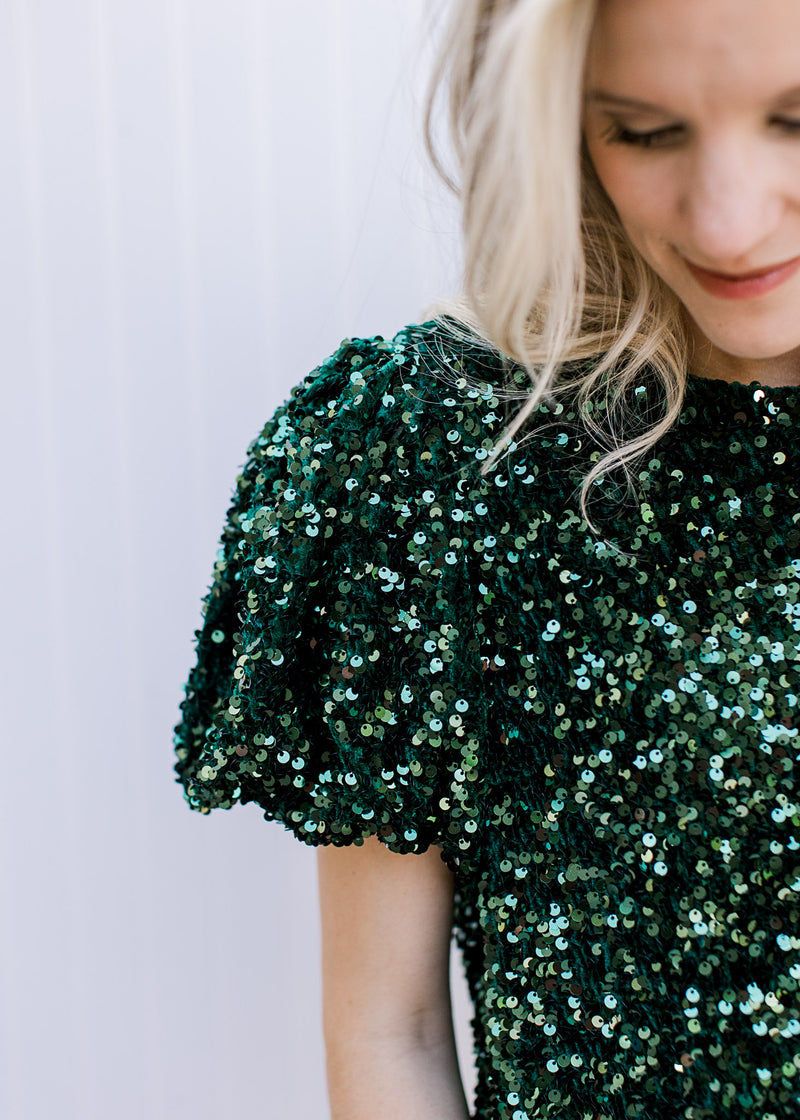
(337, 680)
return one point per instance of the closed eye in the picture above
(658, 137)
(662, 137)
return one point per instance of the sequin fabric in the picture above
(600, 732)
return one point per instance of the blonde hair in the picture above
(550, 277)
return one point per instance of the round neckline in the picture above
(714, 401)
(741, 386)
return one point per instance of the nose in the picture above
(730, 205)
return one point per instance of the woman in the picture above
(530, 671)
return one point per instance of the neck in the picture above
(707, 360)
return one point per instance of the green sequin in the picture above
(600, 731)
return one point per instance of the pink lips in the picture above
(747, 286)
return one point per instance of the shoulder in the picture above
(387, 430)
(423, 371)
(431, 396)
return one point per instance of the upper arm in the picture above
(386, 929)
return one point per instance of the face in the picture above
(692, 121)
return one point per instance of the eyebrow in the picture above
(788, 97)
(622, 102)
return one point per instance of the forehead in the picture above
(734, 49)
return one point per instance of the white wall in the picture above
(198, 201)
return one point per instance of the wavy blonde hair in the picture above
(550, 276)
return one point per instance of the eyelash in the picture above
(617, 134)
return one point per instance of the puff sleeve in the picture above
(337, 681)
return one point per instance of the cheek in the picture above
(639, 194)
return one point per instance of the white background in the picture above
(198, 201)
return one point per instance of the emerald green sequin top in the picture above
(602, 740)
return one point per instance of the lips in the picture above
(748, 285)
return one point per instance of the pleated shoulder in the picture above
(337, 680)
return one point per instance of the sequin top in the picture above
(598, 730)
